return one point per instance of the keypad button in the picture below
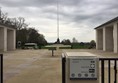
(86, 75)
(73, 75)
(79, 75)
(93, 75)
(92, 65)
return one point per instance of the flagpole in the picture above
(57, 19)
(58, 41)
(0, 12)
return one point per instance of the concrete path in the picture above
(30, 66)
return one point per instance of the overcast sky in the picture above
(78, 18)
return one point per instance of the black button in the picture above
(93, 75)
(79, 75)
(92, 61)
(73, 75)
(86, 75)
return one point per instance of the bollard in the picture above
(52, 49)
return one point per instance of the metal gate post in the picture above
(63, 69)
(1, 68)
(115, 71)
(102, 71)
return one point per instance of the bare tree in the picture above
(16, 22)
(19, 22)
(4, 17)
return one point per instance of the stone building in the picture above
(107, 36)
(7, 37)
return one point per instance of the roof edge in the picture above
(10, 26)
(110, 21)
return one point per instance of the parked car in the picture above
(30, 46)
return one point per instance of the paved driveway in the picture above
(31, 66)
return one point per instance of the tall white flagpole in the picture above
(58, 41)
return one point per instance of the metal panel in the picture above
(83, 68)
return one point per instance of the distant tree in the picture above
(19, 22)
(30, 35)
(66, 41)
(82, 43)
(35, 37)
(74, 40)
(3, 16)
(22, 35)
(92, 44)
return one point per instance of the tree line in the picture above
(76, 44)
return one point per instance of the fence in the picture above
(110, 61)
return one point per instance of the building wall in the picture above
(10, 39)
(1, 38)
(107, 37)
(99, 39)
(7, 38)
(115, 37)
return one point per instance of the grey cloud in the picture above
(22, 3)
(72, 13)
(104, 12)
(78, 11)
(40, 3)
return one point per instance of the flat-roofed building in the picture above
(7, 37)
(107, 36)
